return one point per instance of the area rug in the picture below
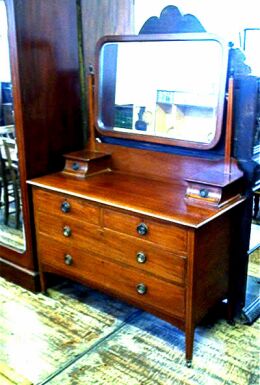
(41, 335)
(76, 336)
(8, 376)
(151, 352)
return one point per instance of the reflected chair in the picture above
(10, 184)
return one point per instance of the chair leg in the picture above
(17, 205)
(6, 204)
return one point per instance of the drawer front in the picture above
(61, 204)
(144, 255)
(69, 231)
(165, 234)
(124, 282)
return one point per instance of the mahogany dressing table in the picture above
(126, 216)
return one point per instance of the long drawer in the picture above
(166, 235)
(144, 255)
(127, 283)
(62, 204)
(132, 251)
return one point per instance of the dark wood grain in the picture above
(46, 89)
(148, 198)
(49, 81)
(114, 278)
(187, 247)
(104, 17)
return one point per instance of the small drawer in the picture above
(61, 204)
(144, 255)
(137, 287)
(167, 235)
(70, 231)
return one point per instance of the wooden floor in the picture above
(76, 336)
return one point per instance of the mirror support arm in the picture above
(228, 141)
(92, 139)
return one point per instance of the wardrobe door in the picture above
(46, 110)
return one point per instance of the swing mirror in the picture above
(165, 89)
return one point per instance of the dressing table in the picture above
(130, 217)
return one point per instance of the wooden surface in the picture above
(78, 336)
(103, 17)
(146, 197)
(99, 237)
(53, 330)
(45, 77)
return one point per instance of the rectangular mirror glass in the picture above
(163, 88)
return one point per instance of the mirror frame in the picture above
(201, 36)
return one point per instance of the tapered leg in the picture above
(189, 335)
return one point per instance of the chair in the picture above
(9, 180)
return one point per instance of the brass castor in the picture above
(188, 363)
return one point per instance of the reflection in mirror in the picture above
(172, 89)
(11, 226)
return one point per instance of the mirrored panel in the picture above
(168, 88)
(11, 222)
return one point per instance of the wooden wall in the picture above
(104, 17)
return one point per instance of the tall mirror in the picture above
(11, 218)
(167, 89)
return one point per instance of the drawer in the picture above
(69, 231)
(144, 255)
(61, 204)
(166, 235)
(137, 287)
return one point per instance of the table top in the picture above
(153, 198)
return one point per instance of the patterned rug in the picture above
(76, 336)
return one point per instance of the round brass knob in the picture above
(65, 207)
(67, 231)
(68, 260)
(141, 257)
(142, 229)
(141, 288)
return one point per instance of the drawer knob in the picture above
(68, 260)
(204, 193)
(75, 166)
(67, 231)
(141, 257)
(65, 207)
(142, 229)
(141, 288)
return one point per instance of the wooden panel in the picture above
(83, 235)
(163, 166)
(104, 17)
(47, 39)
(166, 235)
(212, 262)
(158, 261)
(46, 89)
(111, 277)
(49, 202)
